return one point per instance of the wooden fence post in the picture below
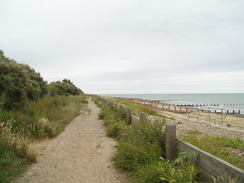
(171, 142)
(128, 116)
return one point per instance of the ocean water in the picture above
(225, 101)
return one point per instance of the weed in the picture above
(163, 171)
(45, 118)
(194, 132)
(225, 179)
(216, 146)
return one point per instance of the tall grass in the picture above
(113, 121)
(141, 150)
(45, 118)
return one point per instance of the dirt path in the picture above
(82, 154)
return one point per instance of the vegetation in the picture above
(28, 114)
(218, 146)
(64, 88)
(136, 108)
(141, 150)
(19, 83)
(45, 118)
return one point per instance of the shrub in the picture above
(65, 88)
(140, 144)
(114, 121)
(163, 171)
(19, 83)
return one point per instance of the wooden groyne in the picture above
(182, 108)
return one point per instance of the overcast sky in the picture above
(129, 46)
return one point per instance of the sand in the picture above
(82, 154)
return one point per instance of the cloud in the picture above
(118, 46)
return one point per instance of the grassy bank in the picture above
(225, 148)
(141, 150)
(137, 109)
(45, 118)
(222, 147)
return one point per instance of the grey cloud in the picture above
(136, 42)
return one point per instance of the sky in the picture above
(129, 46)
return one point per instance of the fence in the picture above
(181, 108)
(210, 166)
(212, 114)
(207, 115)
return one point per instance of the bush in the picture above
(115, 129)
(165, 171)
(19, 83)
(64, 88)
(140, 144)
(114, 121)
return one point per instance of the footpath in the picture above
(81, 154)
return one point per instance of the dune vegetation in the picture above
(31, 110)
(141, 149)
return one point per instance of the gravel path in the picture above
(82, 154)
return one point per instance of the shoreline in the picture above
(228, 102)
(230, 122)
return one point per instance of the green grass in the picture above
(162, 171)
(113, 121)
(141, 149)
(141, 144)
(217, 146)
(136, 108)
(45, 118)
(12, 161)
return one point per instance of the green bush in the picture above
(115, 129)
(140, 144)
(114, 121)
(163, 171)
(64, 88)
(19, 83)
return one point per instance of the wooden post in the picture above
(128, 116)
(171, 142)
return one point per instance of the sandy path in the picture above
(82, 153)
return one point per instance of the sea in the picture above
(220, 101)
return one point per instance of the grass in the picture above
(141, 149)
(45, 118)
(136, 108)
(218, 146)
(113, 121)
